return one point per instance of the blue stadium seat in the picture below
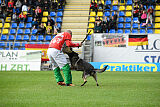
(33, 38)
(107, 13)
(6, 48)
(29, 19)
(149, 31)
(9, 44)
(151, 6)
(120, 31)
(17, 44)
(127, 25)
(26, 38)
(23, 48)
(121, 19)
(21, 25)
(112, 31)
(29, 25)
(142, 31)
(59, 20)
(121, 13)
(3, 37)
(40, 38)
(135, 25)
(108, 2)
(115, 8)
(134, 31)
(18, 37)
(23, 44)
(15, 48)
(32, 43)
(39, 42)
(2, 44)
(142, 26)
(150, 26)
(20, 31)
(48, 37)
(27, 31)
(52, 14)
(108, 9)
(59, 25)
(127, 30)
(113, 13)
(59, 14)
(128, 19)
(129, 2)
(11, 38)
(14, 25)
(13, 31)
(1, 49)
(52, 18)
(135, 19)
(34, 31)
(46, 42)
(120, 25)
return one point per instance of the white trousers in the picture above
(57, 58)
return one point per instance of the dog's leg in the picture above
(95, 77)
(85, 81)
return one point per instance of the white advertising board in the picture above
(20, 60)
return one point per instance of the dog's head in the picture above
(70, 53)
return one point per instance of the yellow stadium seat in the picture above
(1, 25)
(44, 19)
(122, 3)
(25, 12)
(5, 31)
(0, 31)
(115, 2)
(157, 25)
(121, 8)
(8, 19)
(92, 19)
(157, 13)
(129, 8)
(91, 25)
(129, 13)
(90, 31)
(157, 31)
(7, 25)
(157, 7)
(157, 19)
(45, 13)
(100, 14)
(92, 13)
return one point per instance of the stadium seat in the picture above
(135, 25)
(8, 19)
(115, 8)
(23, 44)
(29, 25)
(1, 48)
(135, 19)
(7, 25)
(157, 13)
(127, 25)
(7, 49)
(108, 2)
(52, 14)
(13, 31)
(18, 37)
(59, 20)
(121, 13)
(112, 31)
(157, 7)
(48, 37)
(40, 38)
(44, 19)
(5, 31)
(91, 25)
(46, 42)
(121, 8)
(107, 13)
(45, 13)
(2, 44)
(113, 13)
(121, 19)
(11, 38)
(157, 25)
(9, 44)
(157, 19)
(92, 13)
(149, 31)
(33, 38)
(100, 14)
(157, 31)
(127, 30)
(92, 19)
(128, 13)
(59, 25)
(27, 31)
(26, 38)
(142, 26)
(21, 25)
(129, 8)
(150, 26)
(115, 2)
(129, 2)
(3, 37)
(29, 19)
(134, 31)
(34, 31)
(17, 44)
(128, 19)
(59, 14)
(1, 25)
(23, 48)
(120, 26)
(142, 31)
(15, 48)
(40, 42)
(120, 31)
(90, 31)
(14, 25)
(20, 31)
(108, 9)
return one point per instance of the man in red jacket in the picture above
(58, 59)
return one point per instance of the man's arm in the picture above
(71, 44)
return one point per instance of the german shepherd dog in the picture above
(81, 65)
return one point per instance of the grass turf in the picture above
(117, 89)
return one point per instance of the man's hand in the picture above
(80, 44)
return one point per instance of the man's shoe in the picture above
(70, 85)
(61, 83)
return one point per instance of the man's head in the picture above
(69, 31)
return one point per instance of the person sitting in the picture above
(34, 23)
(136, 11)
(105, 25)
(49, 28)
(115, 16)
(143, 17)
(150, 10)
(29, 11)
(18, 4)
(51, 21)
(24, 8)
(93, 6)
(100, 5)
(41, 29)
(38, 13)
(149, 19)
(112, 24)
(46, 6)
(22, 17)
(16, 10)
(98, 26)
(56, 29)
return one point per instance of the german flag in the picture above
(137, 40)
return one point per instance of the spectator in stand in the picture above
(10, 7)
(136, 11)
(34, 23)
(93, 6)
(14, 17)
(1, 13)
(150, 10)
(41, 29)
(56, 29)
(18, 4)
(46, 6)
(25, 2)
(50, 21)
(105, 25)
(24, 8)
(30, 11)
(39, 3)
(98, 26)
(112, 24)
(22, 17)
(3, 6)
(141, 9)
(143, 17)
(115, 16)
(149, 19)
(16, 10)
(49, 28)
(38, 13)
(55, 5)
(100, 5)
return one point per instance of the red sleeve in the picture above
(71, 44)
(90, 5)
(96, 5)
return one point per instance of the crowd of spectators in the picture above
(20, 10)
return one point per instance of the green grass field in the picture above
(117, 89)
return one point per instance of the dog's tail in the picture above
(101, 70)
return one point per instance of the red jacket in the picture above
(10, 4)
(20, 16)
(58, 41)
